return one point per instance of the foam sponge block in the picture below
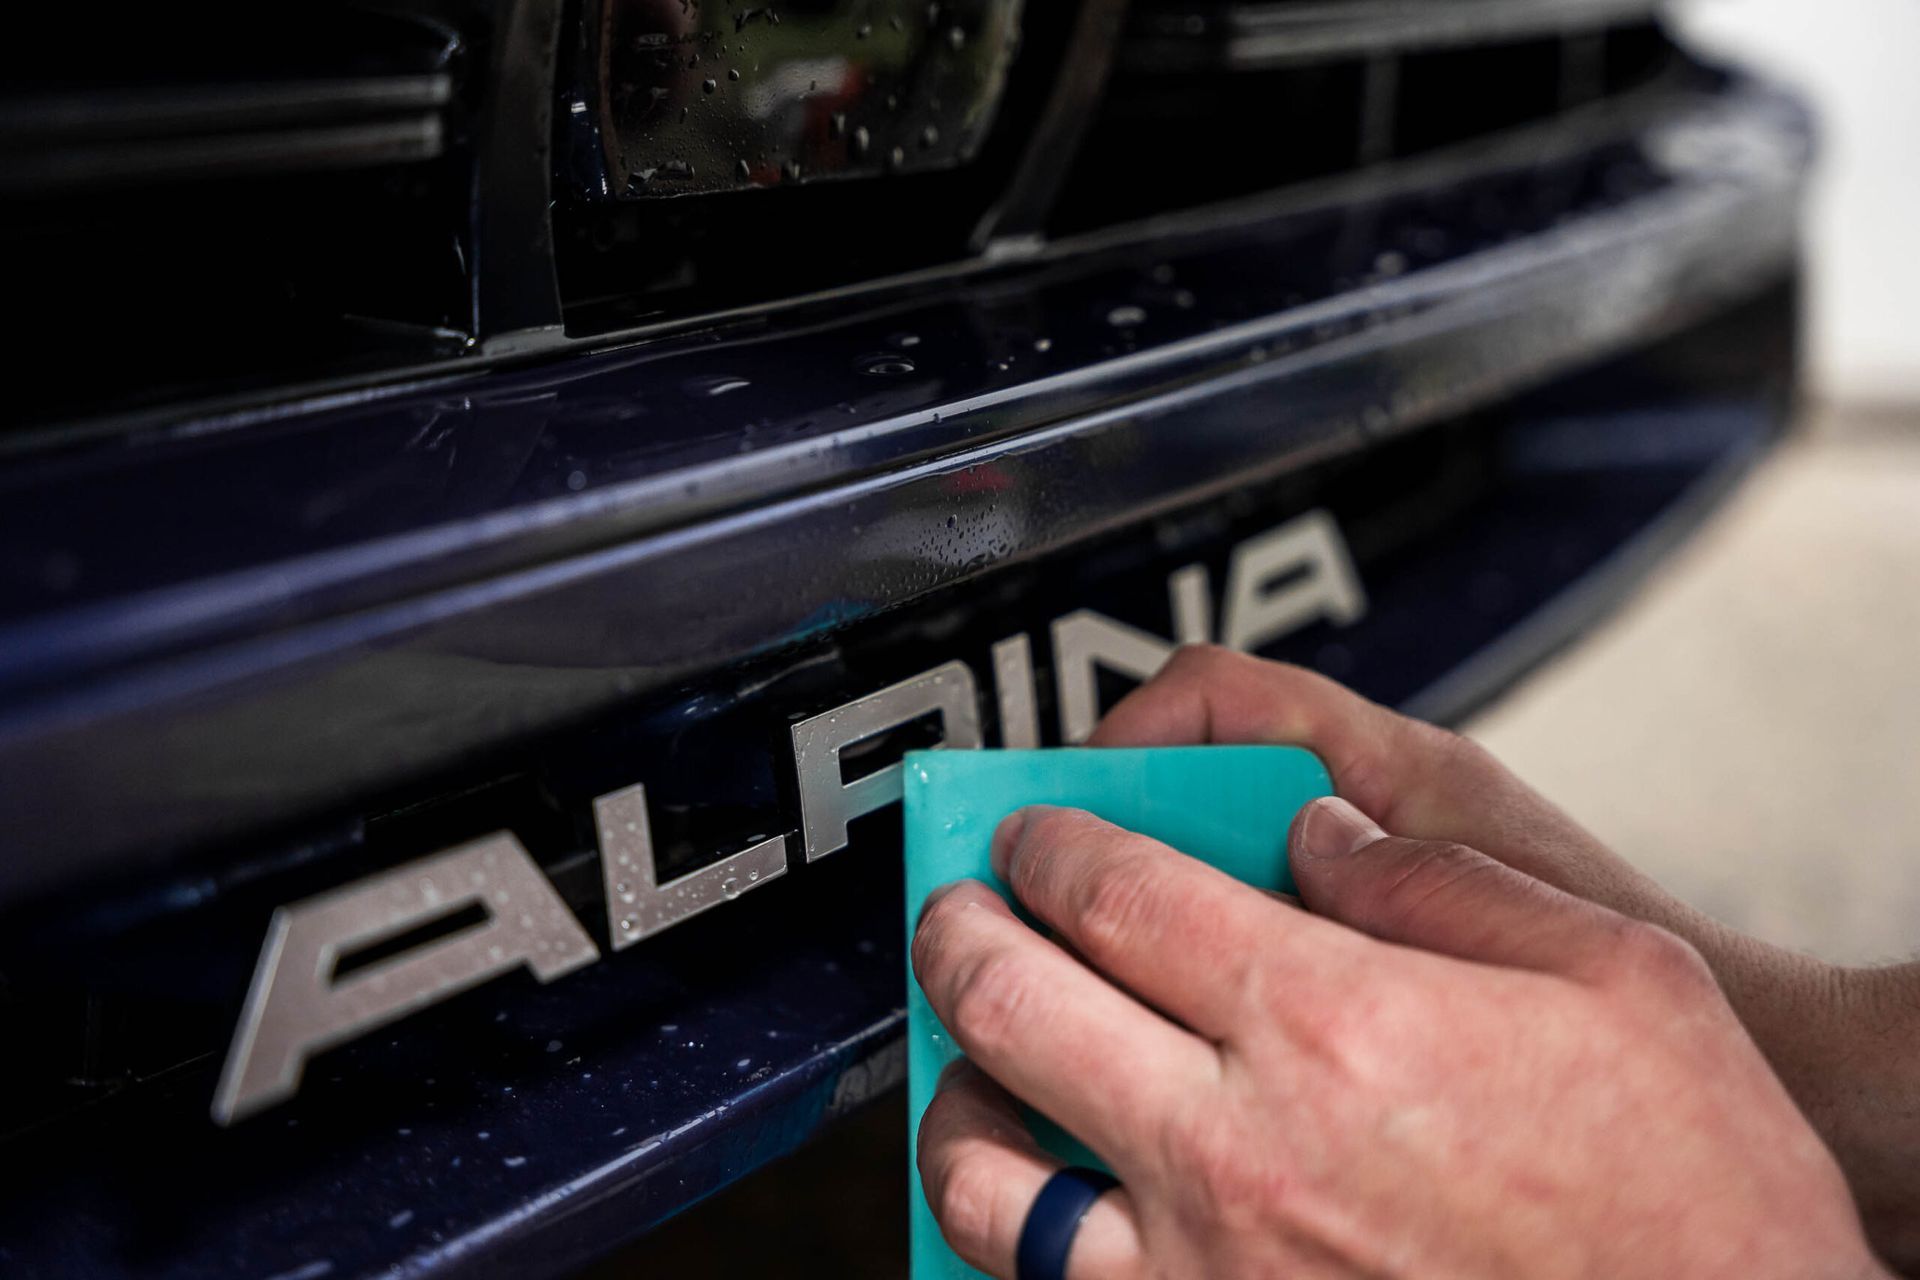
(1229, 806)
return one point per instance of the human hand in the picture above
(1413, 778)
(1844, 1041)
(1450, 1069)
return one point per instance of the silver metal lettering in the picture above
(826, 803)
(1084, 639)
(1325, 583)
(1277, 583)
(638, 906)
(297, 1007)
(1013, 685)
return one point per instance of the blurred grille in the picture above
(180, 132)
(201, 198)
(1215, 101)
(1285, 33)
(219, 203)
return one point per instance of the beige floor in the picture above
(1748, 729)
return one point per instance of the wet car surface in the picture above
(455, 466)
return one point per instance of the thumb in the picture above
(1443, 897)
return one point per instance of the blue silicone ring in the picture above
(1047, 1235)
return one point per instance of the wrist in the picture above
(1807, 1016)
(1846, 1044)
(1869, 1102)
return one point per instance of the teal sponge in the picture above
(1229, 806)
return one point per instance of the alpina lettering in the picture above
(299, 1004)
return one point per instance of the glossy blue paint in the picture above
(236, 653)
(519, 1132)
(338, 601)
(522, 1130)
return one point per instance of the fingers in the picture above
(1412, 777)
(1174, 931)
(1445, 897)
(1406, 773)
(1061, 1037)
(1208, 694)
(981, 1170)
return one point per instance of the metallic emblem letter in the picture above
(1085, 639)
(826, 803)
(638, 905)
(1281, 581)
(1013, 686)
(298, 1006)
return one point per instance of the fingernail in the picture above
(934, 895)
(1005, 837)
(1332, 828)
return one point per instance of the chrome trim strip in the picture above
(1261, 36)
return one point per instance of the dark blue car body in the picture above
(262, 637)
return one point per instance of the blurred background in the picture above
(1748, 729)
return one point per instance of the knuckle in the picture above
(1369, 778)
(1448, 859)
(1451, 747)
(1646, 953)
(1217, 666)
(1051, 831)
(965, 1200)
(924, 951)
(1202, 659)
(1214, 1160)
(1431, 873)
(929, 940)
(990, 1000)
(932, 940)
(1368, 1038)
(1404, 759)
(939, 1119)
(1116, 904)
